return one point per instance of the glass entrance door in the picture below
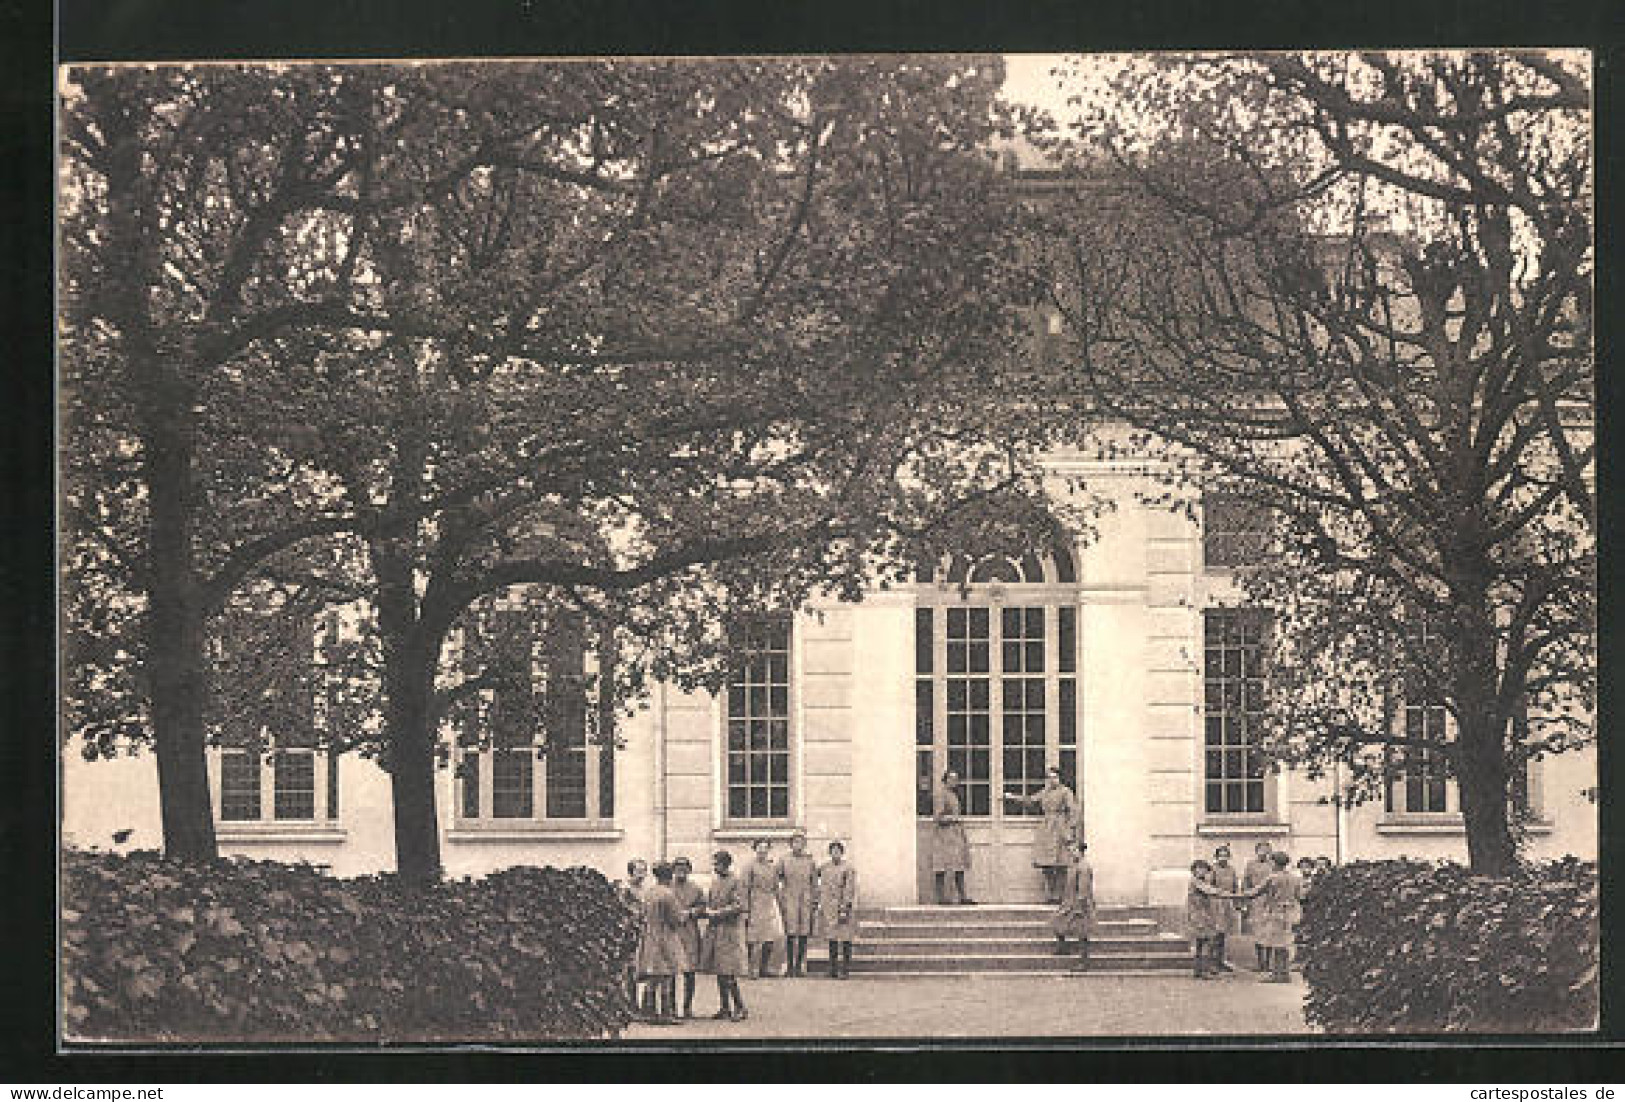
(996, 703)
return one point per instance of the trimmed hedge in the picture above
(153, 950)
(1415, 947)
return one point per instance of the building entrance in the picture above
(996, 701)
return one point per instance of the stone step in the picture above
(1039, 928)
(1001, 912)
(1133, 960)
(990, 946)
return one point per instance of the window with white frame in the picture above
(536, 746)
(1234, 768)
(287, 774)
(758, 722)
(1418, 777)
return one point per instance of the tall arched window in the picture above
(996, 661)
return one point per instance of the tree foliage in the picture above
(663, 342)
(1357, 289)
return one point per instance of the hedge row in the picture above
(1415, 947)
(256, 950)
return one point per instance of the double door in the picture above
(996, 701)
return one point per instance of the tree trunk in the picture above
(1481, 767)
(175, 634)
(409, 668)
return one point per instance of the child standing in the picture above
(631, 892)
(1206, 910)
(662, 956)
(723, 952)
(1257, 871)
(1226, 879)
(1076, 916)
(798, 893)
(764, 923)
(691, 901)
(835, 913)
(1277, 910)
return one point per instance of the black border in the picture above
(136, 30)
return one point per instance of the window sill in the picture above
(280, 831)
(1261, 827)
(735, 832)
(521, 830)
(1444, 823)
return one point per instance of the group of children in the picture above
(1263, 900)
(746, 914)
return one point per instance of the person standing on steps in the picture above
(950, 848)
(1227, 880)
(798, 892)
(764, 923)
(836, 912)
(1076, 916)
(723, 952)
(1256, 872)
(1059, 825)
(691, 900)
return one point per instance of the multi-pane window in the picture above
(526, 753)
(1235, 530)
(1233, 682)
(294, 785)
(239, 786)
(1067, 638)
(1421, 787)
(1418, 776)
(970, 744)
(281, 772)
(1022, 651)
(758, 723)
(996, 695)
(925, 709)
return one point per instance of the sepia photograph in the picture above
(832, 548)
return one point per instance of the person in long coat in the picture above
(798, 893)
(1277, 909)
(723, 952)
(950, 848)
(1256, 872)
(1076, 916)
(691, 898)
(1208, 911)
(661, 956)
(1060, 825)
(835, 914)
(1227, 880)
(631, 892)
(764, 922)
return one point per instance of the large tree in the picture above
(663, 339)
(1357, 289)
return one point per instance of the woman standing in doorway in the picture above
(1059, 826)
(798, 875)
(950, 848)
(764, 924)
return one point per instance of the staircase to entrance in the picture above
(1002, 938)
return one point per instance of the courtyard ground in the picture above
(992, 1005)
